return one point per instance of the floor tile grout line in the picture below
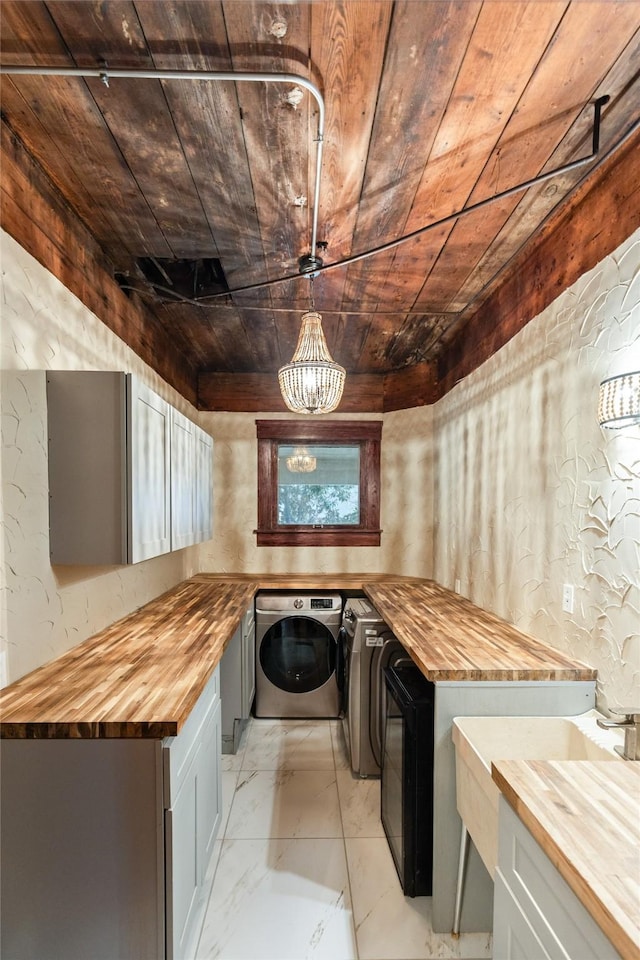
(334, 741)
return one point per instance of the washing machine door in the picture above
(298, 654)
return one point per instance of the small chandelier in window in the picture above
(301, 461)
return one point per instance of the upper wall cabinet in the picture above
(148, 457)
(204, 485)
(129, 477)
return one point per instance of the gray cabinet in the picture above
(106, 843)
(536, 914)
(203, 485)
(238, 682)
(130, 477)
(193, 812)
(148, 447)
(183, 484)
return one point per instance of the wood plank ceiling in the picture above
(430, 107)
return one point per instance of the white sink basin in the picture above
(479, 740)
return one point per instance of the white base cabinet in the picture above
(536, 915)
(106, 843)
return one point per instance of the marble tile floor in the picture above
(303, 870)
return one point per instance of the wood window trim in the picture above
(366, 434)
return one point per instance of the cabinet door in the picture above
(248, 663)
(514, 937)
(204, 485)
(182, 864)
(209, 790)
(87, 466)
(149, 464)
(183, 481)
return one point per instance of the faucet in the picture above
(631, 724)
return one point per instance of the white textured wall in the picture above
(47, 610)
(530, 493)
(406, 509)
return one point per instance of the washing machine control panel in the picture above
(319, 603)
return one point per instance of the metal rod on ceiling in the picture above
(105, 74)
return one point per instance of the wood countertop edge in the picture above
(221, 589)
(613, 926)
(114, 728)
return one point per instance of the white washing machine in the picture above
(297, 657)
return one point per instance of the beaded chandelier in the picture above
(312, 382)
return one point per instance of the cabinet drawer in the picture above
(178, 751)
(563, 925)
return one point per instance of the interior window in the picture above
(318, 483)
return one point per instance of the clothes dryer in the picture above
(369, 647)
(297, 661)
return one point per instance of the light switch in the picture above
(567, 598)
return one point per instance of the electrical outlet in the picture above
(457, 586)
(567, 598)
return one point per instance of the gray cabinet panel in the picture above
(130, 477)
(106, 843)
(82, 869)
(149, 439)
(534, 897)
(183, 485)
(88, 508)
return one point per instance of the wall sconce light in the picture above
(619, 403)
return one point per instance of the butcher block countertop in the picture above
(142, 675)
(451, 638)
(586, 817)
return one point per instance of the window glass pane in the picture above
(319, 484)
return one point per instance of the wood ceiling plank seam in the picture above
(205, 345)
(230, 220)
(270, 119)
(354, 33)
(501, 213)
(577, 139)
(494, 260)
(559, 255)
(76, 193)
(455, 36)
(139, 119)
(504, 267)
(96, 154)
(520, 36)
(78, 263)
(42, 25)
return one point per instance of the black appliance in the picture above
(407, 776)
